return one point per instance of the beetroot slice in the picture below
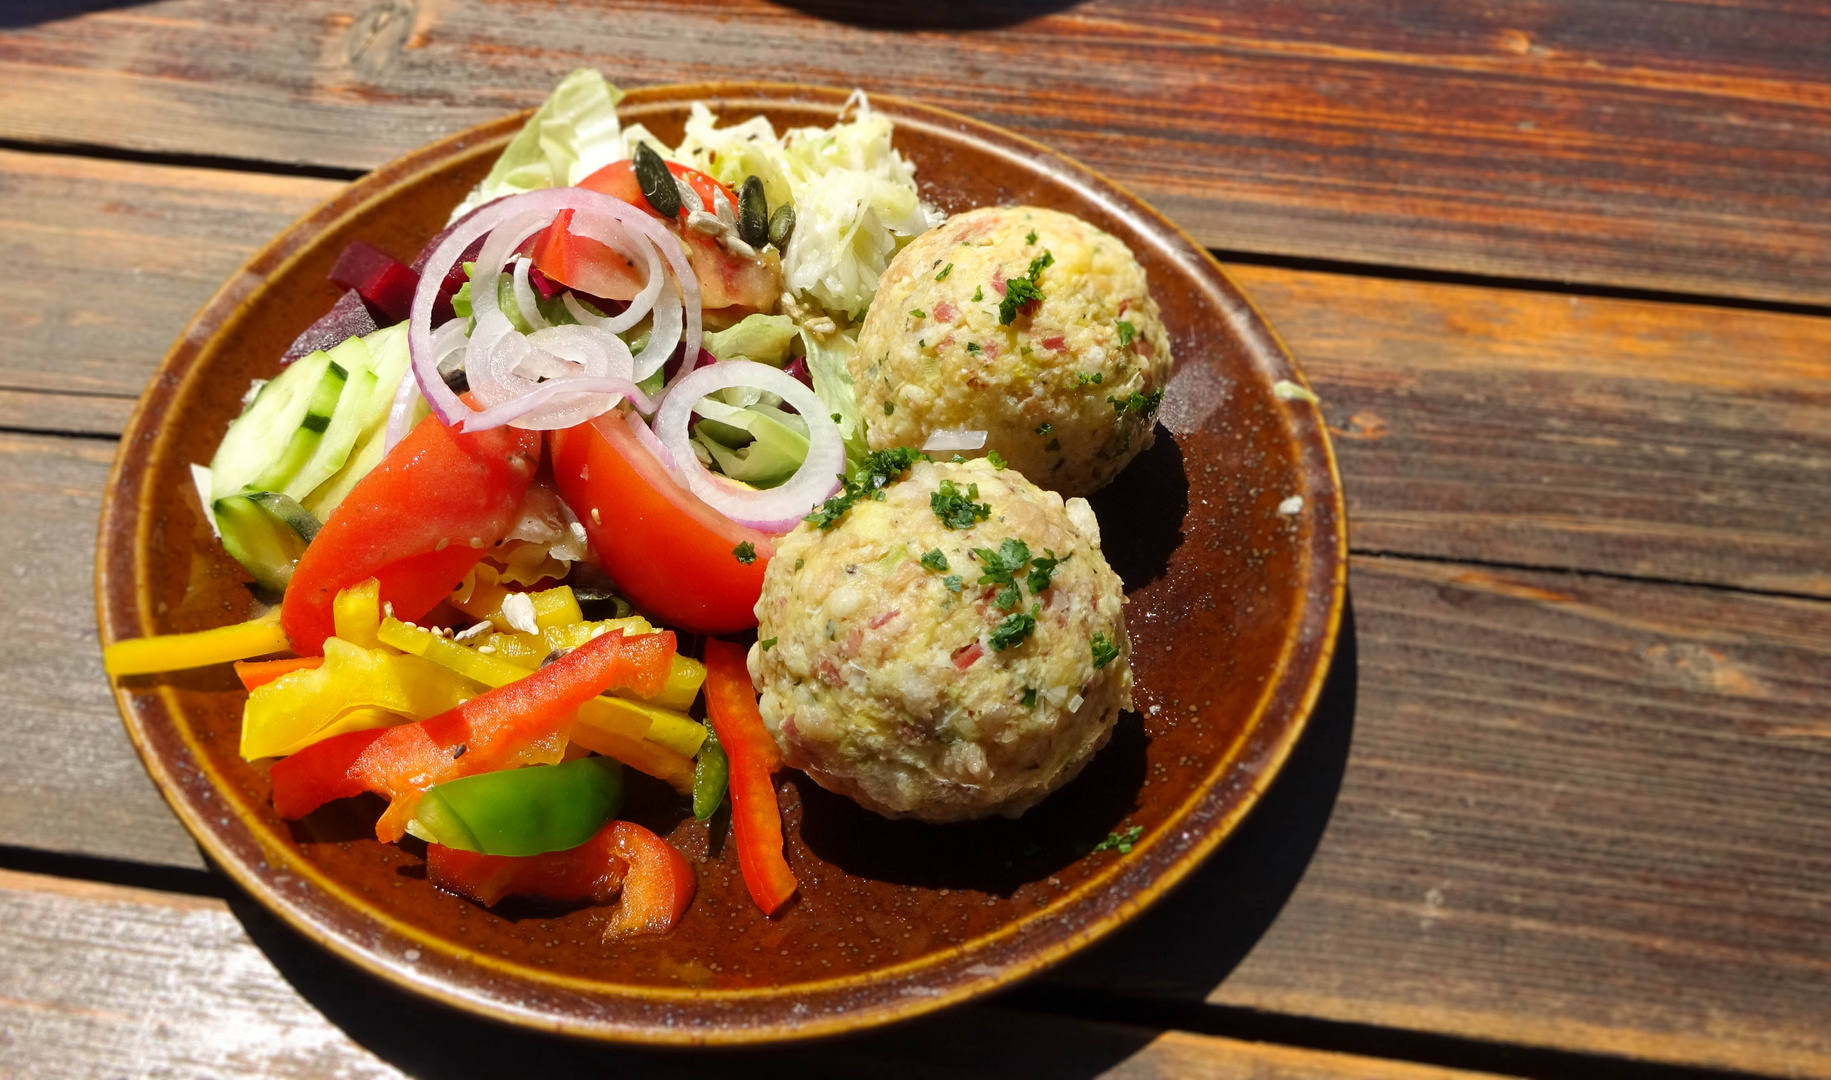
(349, 317)
(384, 281)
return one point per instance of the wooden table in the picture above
(1561, 273)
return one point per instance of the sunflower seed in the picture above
(706, 223)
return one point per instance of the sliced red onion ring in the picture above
(647, 438)
(525, 298)
(610, 389)
(773, 510)
(951, 439)
(507, 222)
(446, 340)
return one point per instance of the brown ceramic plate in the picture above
(1234, 610)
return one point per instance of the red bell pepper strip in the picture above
(255, 673)
(731, 705)
(592, 871)
(484, 734)
(659, 887)
(418, 522)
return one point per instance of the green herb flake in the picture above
(1016, 629)
(767, 644)
(954, 582)
(1019, 292)
(917, 313)
(979, 295)
(879, 468)
(1031, 239)
(934, 560)
(1002, 568)
(997, 459)
(1044, 429)
(1082, 378)
(1105, 651)
(1042, 568)
(973, 347)
(1144, 405)
(956, 508)
(837, 418)
(1126, 333)
(746, 552)
(1038, 265)
(889, 407)
(1029, 697)
(799, 563)
(945, 270)
(1120, 841)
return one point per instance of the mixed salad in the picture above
(490, 488)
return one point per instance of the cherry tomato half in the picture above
(675, 557)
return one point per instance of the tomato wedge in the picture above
(618, 180)
(418, 522)
(579, 262)
(674, 557)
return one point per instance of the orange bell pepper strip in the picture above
(418, 523)
(756, 819)
(657, 882)
(484, 734)
(255, 673)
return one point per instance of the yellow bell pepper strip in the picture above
(600, 726)
(676, 731)
(294, 711)
(356, 613)
(525, 651)
(172, 652)
(255, 673)
(684, 680)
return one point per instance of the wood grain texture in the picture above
(1576, 813)
(1639, 142)
(1655, 440)
(1662, 440)
(72, 782)
(99, 980)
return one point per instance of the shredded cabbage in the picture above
(826, 364)
(573, 134)
(854, 195)
(763, 338)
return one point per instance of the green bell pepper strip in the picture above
(526, 811)
(711, 771)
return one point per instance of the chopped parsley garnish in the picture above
(880, 467)
(1105, 652)
(746, 552)
(1029, 697)
(1082, 378)
(1043, 567)
(997, 459)
(1020, 291)
(767, 644)
(1016, 629)
(1001, 568)
(917, 313)
(954, 582)
(837, 418)
(1120, 841)
(979, 294)
(1044, 429)
(1031, 239)
(889, 407)
(934, 560)
(799, 563)
(973, 347)
(1144, 405)
(945, 270)
(1126, 333)
(956, 508)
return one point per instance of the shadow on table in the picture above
(934, 15)
(1180, 949)
(18, 14)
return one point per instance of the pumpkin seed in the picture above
(753, 213)
(782, 226)
(656, 181)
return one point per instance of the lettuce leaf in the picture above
(826, 363)
(573, 134)
(763, 338)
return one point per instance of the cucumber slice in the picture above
(266, 532)
(388, 347)
(305, 439)
(260, 435)
(347, 421)
(332, 492)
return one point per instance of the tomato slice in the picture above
(675, 557)
(418, 522)
(579, 262)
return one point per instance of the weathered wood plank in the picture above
(64, 414)
(99, 980)
(71, 779)
(1662, 440)
(1581, 813)
(1644, 142)
(1576, 813)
